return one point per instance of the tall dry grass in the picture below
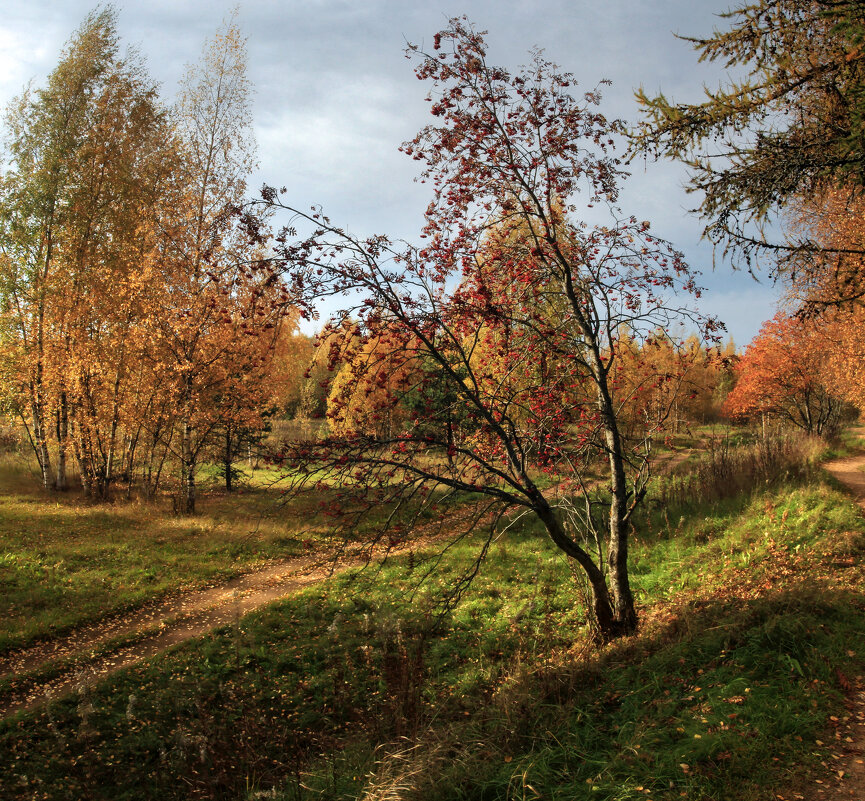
(727, 470)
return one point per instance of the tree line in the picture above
(141, 318)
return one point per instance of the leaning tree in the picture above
(499, 338)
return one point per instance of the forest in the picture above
(289, 512)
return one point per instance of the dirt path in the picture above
(849, 472)
(155, 628)
(88, 653)
(845, 776)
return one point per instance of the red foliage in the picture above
(506, 326)
(782, 374)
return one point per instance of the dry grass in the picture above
(727, 470)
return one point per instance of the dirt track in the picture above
(849, 472)
(155, 628)
(88, 653)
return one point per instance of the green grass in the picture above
(64, 562)
(729, 705)
(749, 608)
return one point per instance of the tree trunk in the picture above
(625, 614)
(40, 436)
(61, 482)
(83, 471)
(227, 459)
(42, 453)
(93, 448)
(604, 612)
(188, 469)
(115, 422)
(37, 389)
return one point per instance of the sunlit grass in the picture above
(64, 561)
(749, 607)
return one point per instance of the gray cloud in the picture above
(335, 96)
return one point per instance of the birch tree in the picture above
(86, 155)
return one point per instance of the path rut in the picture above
(155, 627)
(846, 779)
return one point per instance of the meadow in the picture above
(360, 687)
(66, 562)
(556, 582)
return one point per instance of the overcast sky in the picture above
(335, 95)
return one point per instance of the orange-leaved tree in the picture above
(223, 305)
(138, 315)
(87, 157)
(783, 374)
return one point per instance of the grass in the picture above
(721, 706)
(65, 562)
(750, 606)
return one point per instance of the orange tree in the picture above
(366, 394)
(512, 338)
(86, 161)
(136, 315)
(676, 381)
(783, 374)
(828, 286)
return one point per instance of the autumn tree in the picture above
(516, 336)
(367, 393)
(675, 382)
(139, 316)
(777, 157)
(831, 276)
(845, 369)
(87, 156)
(783, 374)
(792, 126)
(334, 344)
(223, 305)
(292, 355)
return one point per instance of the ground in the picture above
(93, 651)
(62, 663)
(846, 776)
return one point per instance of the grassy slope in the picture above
(64, 562)
(750, 610)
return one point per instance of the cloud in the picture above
(335, 96)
